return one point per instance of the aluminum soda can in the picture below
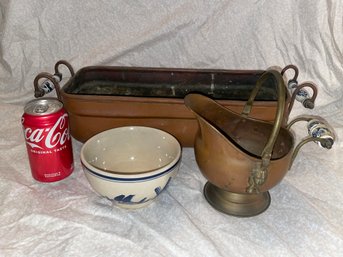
(46, 130)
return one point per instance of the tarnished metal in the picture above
(52, 80)
(236, 204)
(242, 157)
(260, 171)
(325, 136)
(299, 92)
(103, 97)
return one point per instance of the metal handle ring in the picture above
(309, 103)
(38, 91)
(293, 67)
(67, 64)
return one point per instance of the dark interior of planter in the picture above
(169, 83)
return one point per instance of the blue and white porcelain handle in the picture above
(51, 82)
(318, 131)
(299, 91)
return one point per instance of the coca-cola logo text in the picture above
(52, 137)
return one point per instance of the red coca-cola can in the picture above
(46, 131)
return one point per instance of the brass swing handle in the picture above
(260, 173)
(267, 152)
(51, 82)
(318, 131)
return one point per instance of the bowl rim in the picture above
(122, 175)
(136, 179)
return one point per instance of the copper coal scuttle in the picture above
(237, 121)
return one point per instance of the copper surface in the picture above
(93, 113)
(228, 146)
(241, 157)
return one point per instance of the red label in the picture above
(49, 147)
(48, 138)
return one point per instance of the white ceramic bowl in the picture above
(130, 165)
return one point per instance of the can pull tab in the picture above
(40, 108)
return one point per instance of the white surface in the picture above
(68, 219)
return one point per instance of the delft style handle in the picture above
(299, 92)
(51, 82)
(259, 174)
(318, 131)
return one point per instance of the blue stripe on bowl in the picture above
(131, 180)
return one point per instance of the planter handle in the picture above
(318, 131)
(51, 82)
(299, 92)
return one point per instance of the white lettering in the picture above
(52, 175)
(53, 138)
(57, 135)
(40, 151)
(34, 136)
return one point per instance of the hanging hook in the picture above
(51, 82)
(302, 95)
(294, 68)
(67, 64)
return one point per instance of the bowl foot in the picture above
(241, 205)
(133, 206)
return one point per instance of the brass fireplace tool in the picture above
(242, 157)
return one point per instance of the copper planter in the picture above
(102, 97)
